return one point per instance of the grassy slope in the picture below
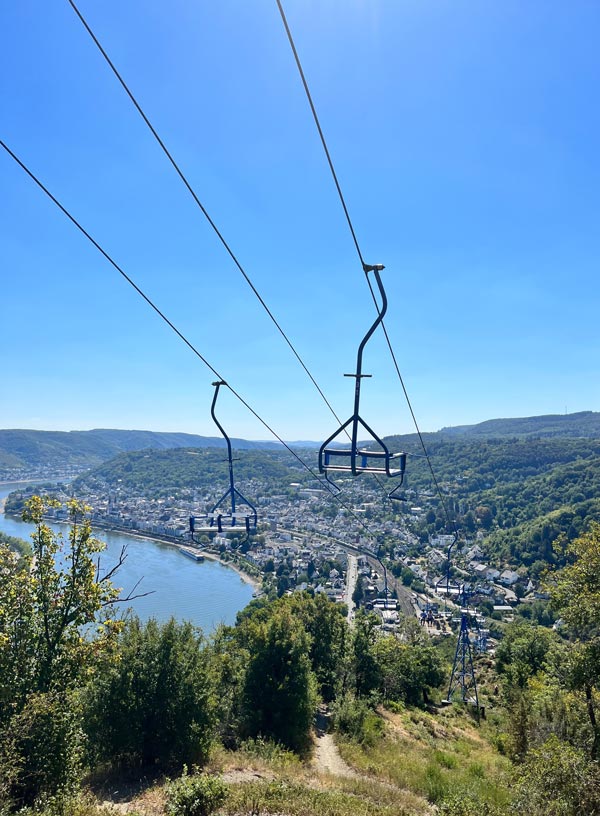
(435, 756)
(422, 759)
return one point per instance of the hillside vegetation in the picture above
(583, 423)
(231, 718)
(156, 473)
(35, 449)
(521, 493)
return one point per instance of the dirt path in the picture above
(327, 758)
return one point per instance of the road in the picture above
(351, 578)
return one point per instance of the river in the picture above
(205, 593)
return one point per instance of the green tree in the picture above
(484, 516)
(41, 753)
(575, 593)
(228, 663)
(326, 625)
(18, 545)
(407, 670)
(408, 576)
(359, 592)
(280, 687)
(58, 626)
(155, 706)
(521, 653)
(283, 584)
(47, 599)
(366, 671)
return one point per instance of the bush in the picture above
(41, 752)
(354, 718)
(155, 705)
(83, 806)
(268, 751)
(468, 804)
(195, 795)
(558, 780)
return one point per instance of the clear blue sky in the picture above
(466, 138)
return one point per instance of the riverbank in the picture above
(42, 480)
(252, 580)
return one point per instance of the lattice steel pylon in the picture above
(463, 671)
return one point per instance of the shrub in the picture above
(468, 804)
(558, 780)
(155, 705)
(354, 718)
(41, 752)
(195, 795)
(268, 751)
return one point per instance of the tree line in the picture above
(85, 688)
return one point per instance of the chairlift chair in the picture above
(250, 517)
(333, 458)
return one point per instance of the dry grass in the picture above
(281, 798)
(421, 760)
(434, 756)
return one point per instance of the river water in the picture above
(206, 594)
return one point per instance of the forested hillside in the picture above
(522, 493)
(34, 449)
(88, 722)
(154, 473)
(583, 423)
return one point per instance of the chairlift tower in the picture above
(463, 671)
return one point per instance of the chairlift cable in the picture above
(321, 135)
(450, 522)
(204, 211)
(180, 334)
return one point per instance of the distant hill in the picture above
(522, 491)
(582, 424)
(157, 473)
(28, 449)
(33, 449)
